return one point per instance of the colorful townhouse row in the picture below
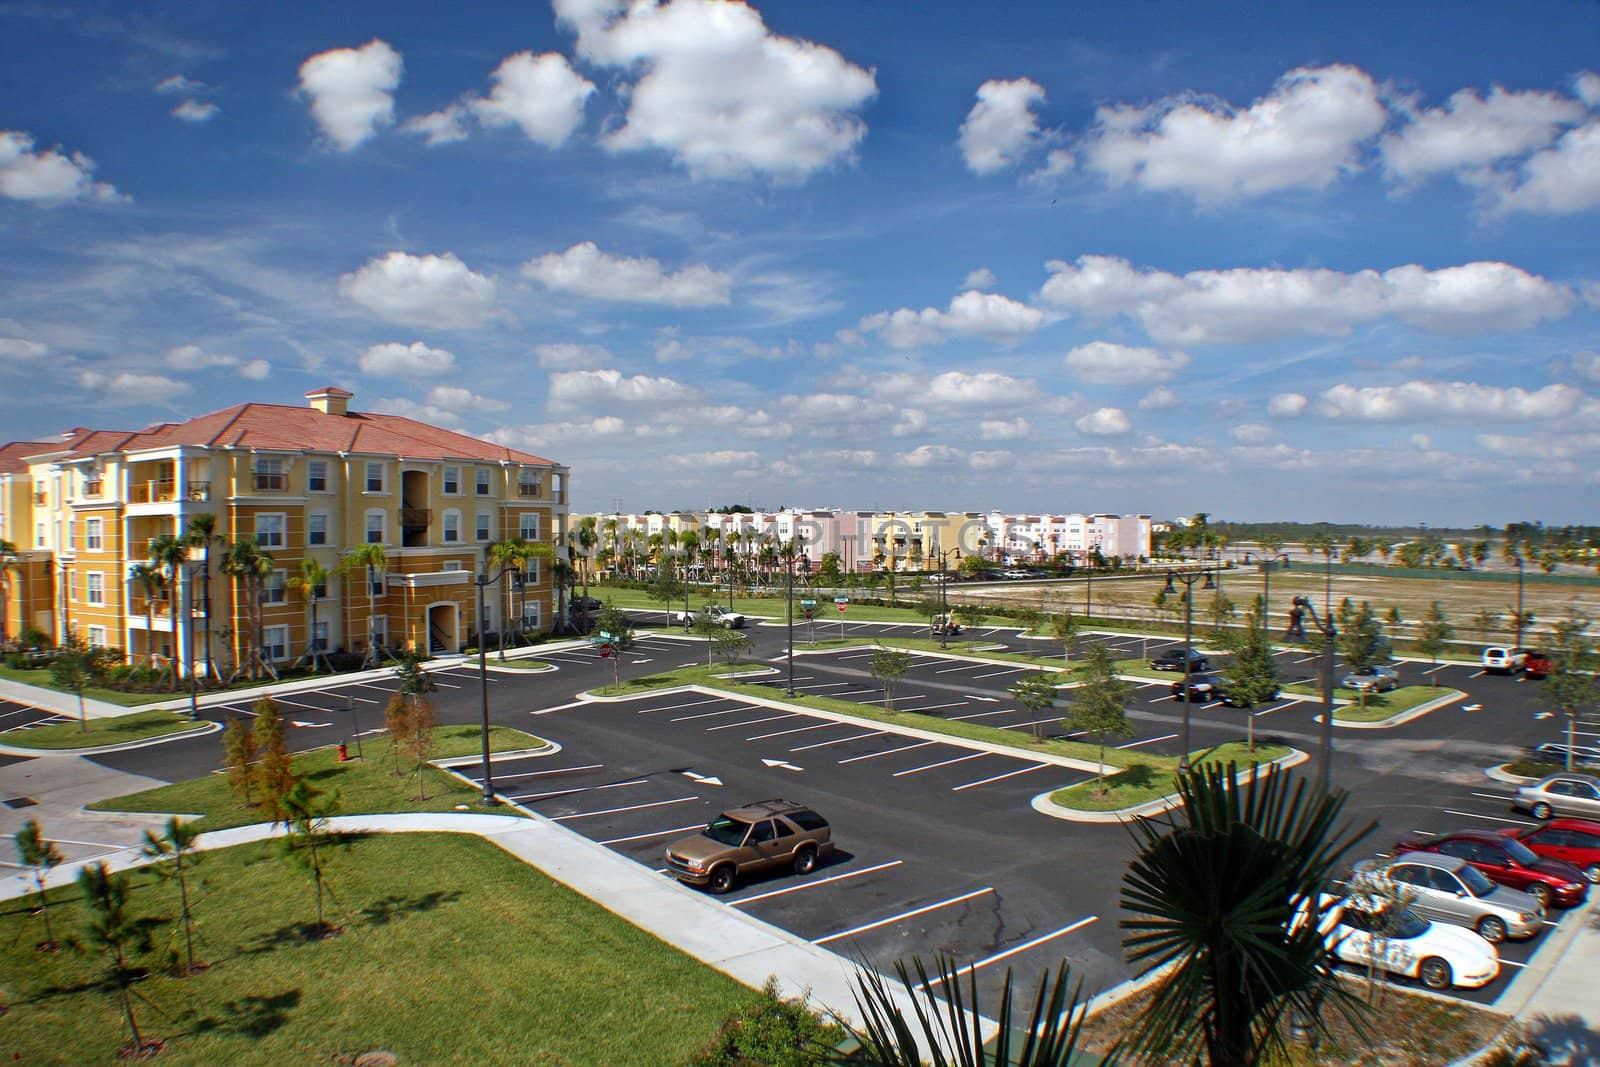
(314, 481)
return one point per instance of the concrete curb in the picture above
(550, 748)
(99, 750)
(1500, 774)
(1045, 806)
(1400, 718)
(548, 668)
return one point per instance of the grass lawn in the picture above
(1381, 706)
(518, 664)
(41, 678)
(366, 787)
(1145, 781)
(697, 675)
(766, 606)
(451, 952)
(124, 728)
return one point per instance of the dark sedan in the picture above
(1204, 687)
(1172, 660)
(1509, 862)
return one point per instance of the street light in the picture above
(1329, 634)
(355, 724)
(944, 594)
(1188, 579)
(481, 580)
(789, 556)
(1267, 566)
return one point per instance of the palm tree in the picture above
(249, 567)
(1227, 893)
(509, 555)
(170, 553)
(372, 559)
(150, 581)
(8, 563)
(586, 537)
(201, 534)
(313, 576)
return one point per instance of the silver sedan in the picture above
(1372, 680)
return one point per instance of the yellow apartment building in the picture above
(311, 482)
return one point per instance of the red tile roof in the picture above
(13, 455)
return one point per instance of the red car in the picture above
(1508, 861)
(1574, 841)
(1537, 665)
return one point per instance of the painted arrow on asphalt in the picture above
(1472, 707)
(1545, 715)
(780, 763)
(702, 779)
(309, 725)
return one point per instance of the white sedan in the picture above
(1402, 942)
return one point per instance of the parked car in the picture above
(1574, 841)
(1402, 942)
(1231, 697)
(945, 626)
(1449, 889)
(1536, 665)
(1556, 752)
(1499, 659)
(1372, 680)
(1172, 660)
(1203, 687)
(586, 603)
(717, 614)
(1509, 862)
(1577, 795)
(748, 839)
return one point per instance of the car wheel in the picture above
(1541, 811)
(1541, 893)
(721, 880)
(805, 860)
(1592, 872)
(1492, 929)
(1435, 973)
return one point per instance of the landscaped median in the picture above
(535, 665)
(105, 733)
(1394, 707)
(366, 786)
(1149, 780)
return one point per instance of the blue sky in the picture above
(1030, 256)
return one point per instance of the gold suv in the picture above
(756, 837)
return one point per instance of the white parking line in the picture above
(686, 704)
(1213, 704)
(1494, 796)
(1477, 674)
(903, 916)
(619, 811)
(983, 714)
(897, 696)
(824, 685)
(711, 714)
(812, 885)
(958, 667)
(889, 751)
(796, 730)
(574, 790)
(996, 674)
(300, 704)
(751, 722)
(937, 707)
(657, 833)
(445, 685)
(556, 770)
(1309, 659)
(1000, 777)
(840, 740)
(1025, 946)
(1147, 741)
(1280, 707)
(859, 655)
(1489, 818)
(942, 763)
(1029, 722)
(986, 700)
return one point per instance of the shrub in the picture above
(768, 1031)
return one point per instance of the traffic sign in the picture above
(808, 603)
(843, 603)
(605, 650)
(811, 613)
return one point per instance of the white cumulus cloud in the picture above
(973, 313)
(255, 369)
(585, 270)
(415, 360)
(720, 92)
(1108, 363)
(48, 175)
(1104, 422)
(126, 387)
(1252, 433)
(20, 348)
(195, 111)
(1428, 399)
(1159, 399)
(1001, 128)
(1003, 429)
(564, 355)
(1287, 405)
(1561, 180)
(579, 389)
(455, 398)
(428, 290)
(929, 456)
(1472, 131)
(1304, 134)
(540, 95)
(982, 278)
(352, 91)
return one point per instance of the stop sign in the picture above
(605, 651)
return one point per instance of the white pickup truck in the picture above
(717, 614)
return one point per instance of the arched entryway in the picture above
(444, 628)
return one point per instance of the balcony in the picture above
(527, 489)
(93, 488)
(412, 518)
(269, 482)
(199, 490)
(157, 492)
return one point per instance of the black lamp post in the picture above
(482, 580)
(1329, 635)
(1267, 566)
(944, 594)
(1188, 580)
(790, 555)
(355, 724)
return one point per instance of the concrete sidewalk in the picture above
(1556, 1000)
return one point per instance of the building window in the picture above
(452, 481)
(275, 590)
(94, 533)
(374, 477)
(270, 530)
(317, 528)
(375, 527)
(319, 640)
(39, 535)
(481, 532)
(94, 587)
(269, 473)
(530, 615)
(275, 642)
(483, 481)
(379, 630)
(98, 638)
(450, 565)
(528, 525)
(317, 476)
(527, 484)
(452, 527)
(377, 583)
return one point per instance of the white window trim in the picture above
(487, 529)
(94, 535)
(327, 476)
(532, 614)
(322, 636)
(444, 526)
(522, 526)
(283, 539)
(366, 479)
(383, 527)
(266, 587)
(267, 642)
(88, 588)
(486, 478)
(99, 637)
(326, 522)
(444, 482)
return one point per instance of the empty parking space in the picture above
(17, 717)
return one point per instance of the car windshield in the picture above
(727, 830)
(1407, 924)
(1476, 883)
(1519, 852)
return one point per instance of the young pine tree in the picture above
(241, 750)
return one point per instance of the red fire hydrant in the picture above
(344, 753)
